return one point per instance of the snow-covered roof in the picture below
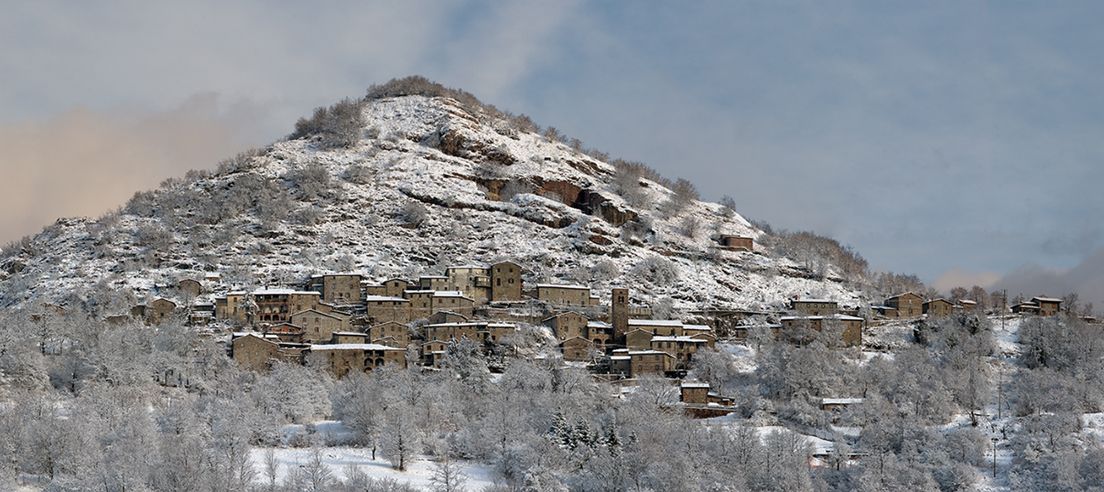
(648, 352)
(450, 293)
(694, 384)
(697, 328)
(841, 317)
(817, 301)
(351, 346)
(598, 324)
(654, 322)
(678, 339)
(384, 298)
(563, 286)
(350, 334)
(433, 277)
(1046, 299)
(284, 292)
(472, 266)
(840, 401)
(966, 301)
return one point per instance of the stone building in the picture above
(577, 349)
(907, 305)
(619, 314)
(938, 308)
(568, 324)
(253, 352)
(390, 333)
(453, 301)
(159, 310)
(815, 307)
(277, 305)
(505, 281)
(564, 295)
(433, 282)
(737, 243)
(341, 289)
(381, 309)
(1048, 306)
(850, 326)
(474, 281)
(341, 359)
(189, 287)
(317, 326)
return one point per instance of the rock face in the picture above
(487, 192)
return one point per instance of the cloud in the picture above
(86, 162)
(962, 278)
(1086, 279)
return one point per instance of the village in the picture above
(346, 322)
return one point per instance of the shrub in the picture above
(414, 213)
(339, 125)
(657, 270)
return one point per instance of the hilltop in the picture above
(416, 183)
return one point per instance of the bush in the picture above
(339, 125)
(414, 213)
(657, 270)
(312, 180)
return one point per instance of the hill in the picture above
(401, 185)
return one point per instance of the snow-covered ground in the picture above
(340, 460)
(467, 221)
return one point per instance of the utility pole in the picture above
(1000, 387)
(994, 456)
(1004, 306)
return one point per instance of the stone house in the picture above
(736, 243)
(349, 337)
(907, 305)
(454, 301)
(433, 352)
(682, 348)
(600, 333)
(390, 333)
(506, 281)
(564, 295)
(638, 339)
(643, 362)
(1048, 306)
(158, 310)
(286, 332)
(341, 289)
(253, 352)
(938, 308)
(577, 349)
(1025, 308)
(814, 307)
(567, 325)
(433, 282)
(189, 287)
(277, 305)
(233, 307)
(850, 326)
(317, 326)
(474, 281)
(661, 327)
(421, 303)
(446, 317)
(700, 402)
(381, 309)
(341, 359)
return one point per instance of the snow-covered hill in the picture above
(489, 191)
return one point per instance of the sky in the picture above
(960, 141)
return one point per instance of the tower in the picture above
(619, 314)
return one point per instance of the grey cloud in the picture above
(84, 162)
